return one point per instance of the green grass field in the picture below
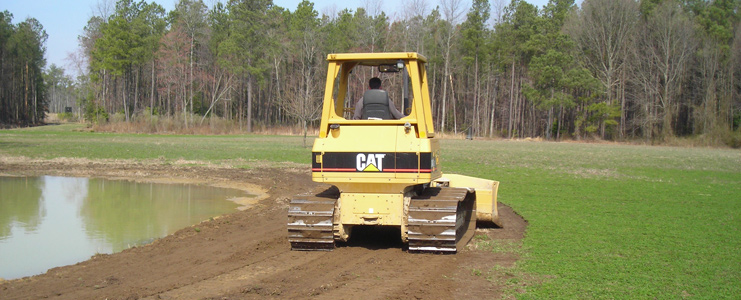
(618, 221)
(605, 221)
(70, 141)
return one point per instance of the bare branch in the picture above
(452, 10)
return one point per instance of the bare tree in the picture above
(373, 7)
(415, 8)
(452, 12)
(104, 8)
(414, 12)
(330, 11)
(643, 76)
(670, 41)
(77, 61)
(192, 16)
(302, 94)
(602, 31)
(303, 98)
(497, 10)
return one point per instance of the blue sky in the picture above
(64, 20)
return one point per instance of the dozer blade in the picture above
(310, 221)
(441, 220)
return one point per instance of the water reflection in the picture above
(53, 221)
(21, 196)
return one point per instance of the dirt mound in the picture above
(246, 255)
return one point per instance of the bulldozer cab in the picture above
(380, 155)
(403, 77)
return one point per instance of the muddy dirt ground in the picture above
(246, 255)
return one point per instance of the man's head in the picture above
(374, 83)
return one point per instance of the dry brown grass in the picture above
(220, 126)
(179, 125)
(718, 138)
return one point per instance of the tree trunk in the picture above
(476, 98)
(151, 95)
(136, 91)
(445, 95)
(493, 107)
(192, 40)
(125, 103)
(25, 96)
(560, 121)
(622, 105)
(455, 115)
(305, 130)
(511, 101)
(105, 90)
(548, 126)
(249, 103)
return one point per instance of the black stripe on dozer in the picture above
(441, 220)
(392, 160)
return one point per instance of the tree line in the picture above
(22, 89)
(609, 69)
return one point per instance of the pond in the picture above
(51, 221)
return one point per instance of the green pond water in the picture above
(49, 221)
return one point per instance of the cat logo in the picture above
(369, 163)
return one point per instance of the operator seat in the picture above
(376, 105)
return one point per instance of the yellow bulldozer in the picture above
(385, 171)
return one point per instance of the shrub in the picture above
(732, 139)
(67, 117)
(95, 114)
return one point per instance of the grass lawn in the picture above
(618, 221)
(71, 141)
(605, 221)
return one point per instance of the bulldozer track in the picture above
(441, 220)
(310, 225)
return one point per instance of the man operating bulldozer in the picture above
(376, 104)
